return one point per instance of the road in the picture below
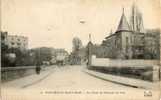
(60, 79)
(68, 78)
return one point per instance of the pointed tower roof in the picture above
(136, 19)
(123, 25)
(90, 38)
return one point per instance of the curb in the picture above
(122, 80)
(37, 81)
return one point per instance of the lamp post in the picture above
(89, 46)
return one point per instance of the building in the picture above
(152, 43)
(131, 41)
(119, 43)
(61, 52)
(59, 56)
(14, 41)
(12, 57)
(136, 20)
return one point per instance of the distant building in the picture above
(75, 58)
(62, 52)
(130, 41)
(15, 41)
(53, 56)
(59, 56)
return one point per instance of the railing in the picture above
(16, 68)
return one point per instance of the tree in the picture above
(77, 44)
(42, 54)
(4, 49)
(4, 60)
(75, 55)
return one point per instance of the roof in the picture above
(123, 25)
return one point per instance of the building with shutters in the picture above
(14, 41)
(19, 42)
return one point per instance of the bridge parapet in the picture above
(148, 70)
(123, 63)
(11, 73)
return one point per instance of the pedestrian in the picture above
(38, 68)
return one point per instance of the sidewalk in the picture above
(124, 80)
(28, 80)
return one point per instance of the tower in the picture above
(123, 24)
(124, 35)
(136, 20)
(89, 52)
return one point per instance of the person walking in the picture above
(38, 63)
(38, 68)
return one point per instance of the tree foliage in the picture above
(77, 44)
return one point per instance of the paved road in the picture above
(68, 78)
(73, 78)
(64, 78)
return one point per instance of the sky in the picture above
(54, 23)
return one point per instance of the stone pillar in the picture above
(156, 73)
(89, 53)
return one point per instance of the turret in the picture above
(123, 25)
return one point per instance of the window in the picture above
(12, 43)
(127, 43)
(115, 43)
(127, 40)
(131, 40)
(18, 43)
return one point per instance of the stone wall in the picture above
(121, 63)
(12, 73)
(139, 69)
